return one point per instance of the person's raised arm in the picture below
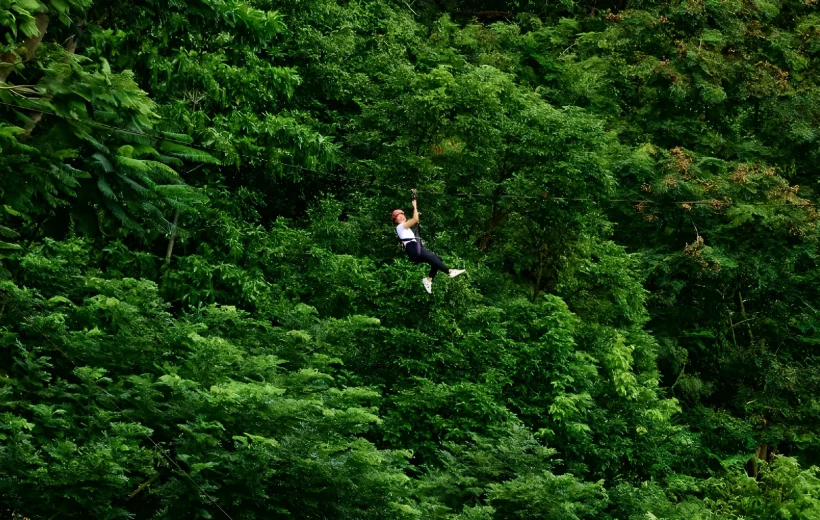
(415, 220)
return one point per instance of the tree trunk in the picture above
(542, 253)
(746, 319)
(753, 466)
(761, 453)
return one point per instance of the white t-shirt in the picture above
(404, 233)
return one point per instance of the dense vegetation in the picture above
(204, 313)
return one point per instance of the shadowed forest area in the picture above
(204, 312)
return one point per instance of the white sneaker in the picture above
(456, 272)
(428, 284)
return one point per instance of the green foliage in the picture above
(86, 138)
(102, 386)
(201, 298)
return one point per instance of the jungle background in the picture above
(204, 312)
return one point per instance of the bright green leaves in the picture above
(293, 365)
(789, 490)
(619, 364)
(11, 217)
(18, 16)
(96, 111)
(600, 282)
(227, 87)
(244, 19)
(547, 496)
(784, 490)
(211, 390)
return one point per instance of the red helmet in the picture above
(396, 213)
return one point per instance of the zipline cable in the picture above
(458, 194)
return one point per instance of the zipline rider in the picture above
(416, 251)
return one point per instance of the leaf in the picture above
(12, 211)
(155, 211)
(60, 6)
(120, 213)
(28, 25)
(8, 232)
(191, 154)
(182, 192)
(172, 161)
(85, 136)
(69, 175)
(199, 466)
(9, 132)
(133, 164)
(163, 171)
(263, 440)
(106, 189)
(185, 138)
(60, 299)
(104, 162)
(140, 189)
(126, 150)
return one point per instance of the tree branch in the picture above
(170, 249)
(143, 486)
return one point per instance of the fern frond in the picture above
(104, 162)
(106, 189)
(145, 150)
(132, 137)
(6, 245)
(126, 150)
(185, 138)
(155, 211)
(67, 180)
(188, 153)
(144, 179)
(85, 136)
(132, 164)
(178, 205)
(181, 192)
(119, 212)
(172, 161)
(137, 187)
(8, 232)
(74, 172)
(163, 172)
(11, 211)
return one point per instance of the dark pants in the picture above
(418, 254)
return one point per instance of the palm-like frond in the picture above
(123, 217)
(105, 188)
(103, 161)
(137, 187)
(188, 153)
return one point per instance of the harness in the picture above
(414, 240)
(405, 241)
(410, 253)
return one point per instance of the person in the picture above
(416, 252)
